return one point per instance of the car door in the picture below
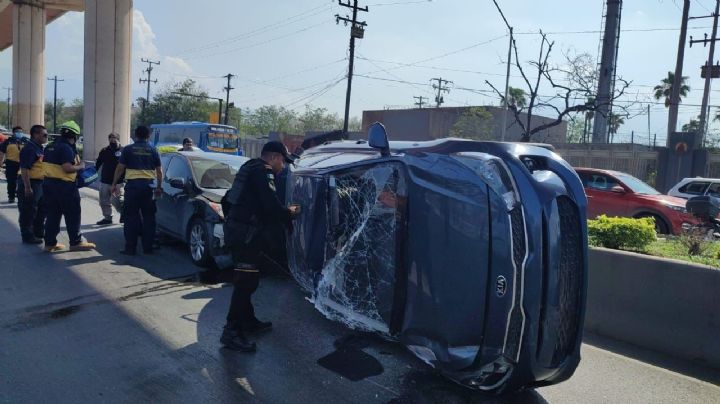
(176, 201)
(162, 203)
(694, 188)
(714, 190)
(601, 199)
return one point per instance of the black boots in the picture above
(236, 340)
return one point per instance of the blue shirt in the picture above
(56, 154)
(140, 160)
(31, 158)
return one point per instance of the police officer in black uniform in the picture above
(10, 153)
(252, 208)
(140, 163)
(30, 187)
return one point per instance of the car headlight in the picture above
(217, 208)
(677, 208)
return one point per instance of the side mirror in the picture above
(178, 183)
(378, 139)
(617, 189)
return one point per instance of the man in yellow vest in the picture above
(10, 153)
(29, 189)
(61, 194)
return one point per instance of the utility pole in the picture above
(357, 30)
(9, 90)
(148, 81)
(55, 79)
(608, 62)
(648, 109)
(709, 71)
(440, 87)
(677, 82)
(507, 74)
(227, 97)
(420, 101)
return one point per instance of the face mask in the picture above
(18, 134)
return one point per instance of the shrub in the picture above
(696, 241)
(167, 149)
(622, 232)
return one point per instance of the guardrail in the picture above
(664, 305)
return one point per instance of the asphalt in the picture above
(101, 327)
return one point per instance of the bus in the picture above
(208, 137)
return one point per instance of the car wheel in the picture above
(198, 242)
(661, 226)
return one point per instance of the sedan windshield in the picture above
(636, 185)
(215, 174)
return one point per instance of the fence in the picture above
(639, 161)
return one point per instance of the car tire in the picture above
(198, 242)
(661, 226)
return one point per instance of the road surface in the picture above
(101, 327)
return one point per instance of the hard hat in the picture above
(70, 126)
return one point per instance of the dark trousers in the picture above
(246, 244)
(139, 212)
(62, 199)
(12, 168)
(32, 210)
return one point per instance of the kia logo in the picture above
(501, 286)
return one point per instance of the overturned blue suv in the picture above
(471, 254)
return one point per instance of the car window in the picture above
(164, 160)
(178, 168)
(694, 188)
(599, 181)
(714, 189)
(214, 174)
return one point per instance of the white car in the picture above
(691, 187)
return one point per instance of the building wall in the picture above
(435, 123)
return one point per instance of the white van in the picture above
(690, 187)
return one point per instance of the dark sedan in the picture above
(471, 254)
(189, 209)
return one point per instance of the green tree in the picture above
(318, 119)
(167, 106)
(268, 118)
(575, 129)
(517, 97)
(475, 123)
(615, 121)
(664, 89)
(692, 126)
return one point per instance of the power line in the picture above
(441, 88)
(600, 32)
(55, 79)
(357, 30)
(227, 89)
(420, 101)
(148, 81)
(249, 34)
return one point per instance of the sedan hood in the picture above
(214, 194)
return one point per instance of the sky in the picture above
(292, 52)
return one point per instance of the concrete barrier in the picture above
(665, 305)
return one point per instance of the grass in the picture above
(673, 248)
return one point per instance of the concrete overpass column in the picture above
(28, 63)
(108, 42)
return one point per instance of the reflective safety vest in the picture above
(57, 154)
(13, 147)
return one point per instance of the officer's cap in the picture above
(274, 146)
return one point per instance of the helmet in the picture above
(70, 128)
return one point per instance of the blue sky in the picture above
(291, 52)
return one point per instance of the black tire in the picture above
(661, 226)
(198, 242)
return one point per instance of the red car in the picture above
(614, 193)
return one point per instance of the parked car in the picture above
(189, 208)
(691, 187)
(615, 193)
(471, 254)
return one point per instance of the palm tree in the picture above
(664, 89)
(516, 97)
(614, 123)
